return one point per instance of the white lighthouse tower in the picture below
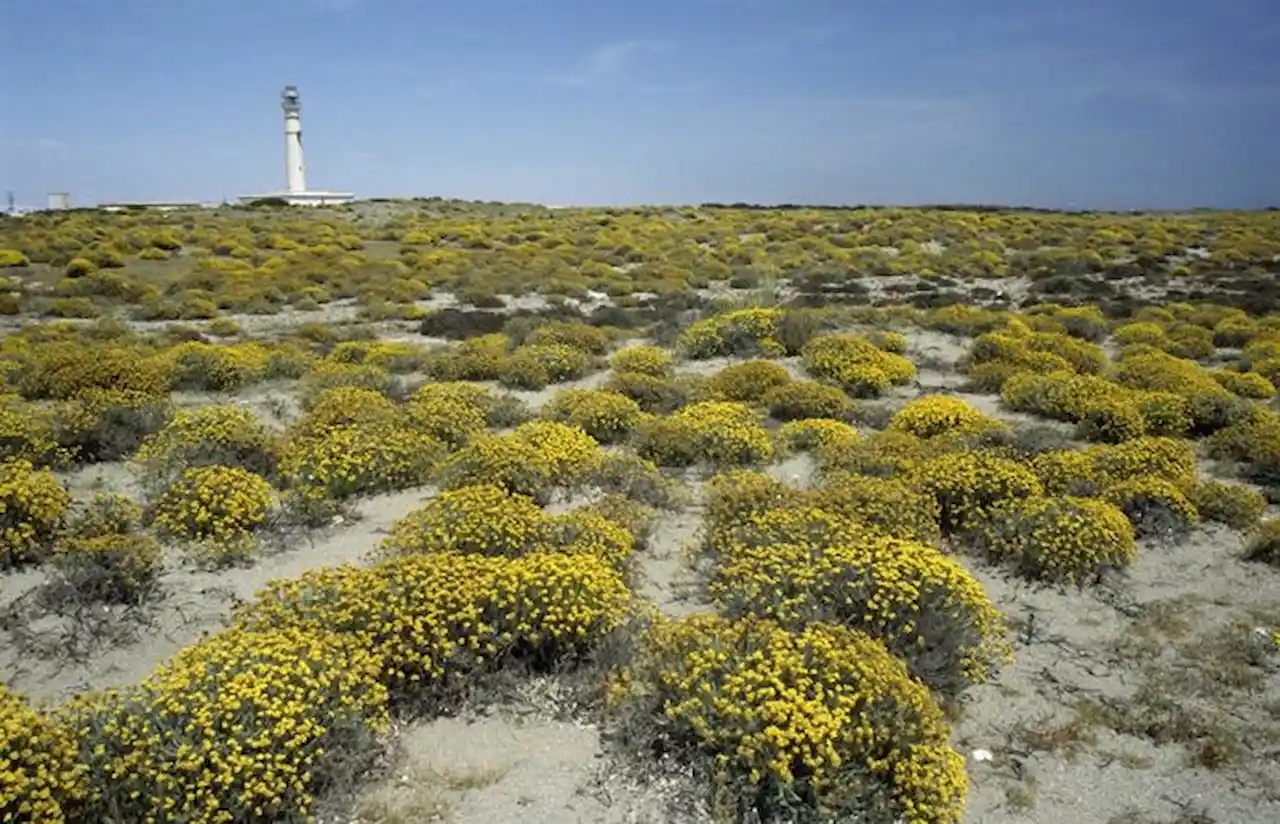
(295, 168)
(296, 192)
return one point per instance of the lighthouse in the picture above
(295, 191)
(295, 173)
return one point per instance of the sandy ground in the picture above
(191, 604)
(1065, 734)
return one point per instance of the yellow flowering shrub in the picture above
(216, 367)
(659, 395)
(644, 359)
(1056, 538)
(735, 495)
(432, 619)
(41, 778)
(567, 451)
(215, 508)
(1244, 384)
(1156, 507)
(588, 532)
(446, 416)
(856, 365)
(1062, 395)
(106, 513)
(800, 399)
(1264, 543)
(63, 370)
(880, 453)
(886, 505)
(1070, 472)
(740, 332)
(106, 424)
(747, 381)
(114, 568)
(344, 406)
(432, 401)
(1114, 420)
(1169, 458)
(483, 520)
(347, 461)
(716, 432)
(1235, 505)
(1157, 371)
(1084, 357)
(478, 359)
(535, 366)
(606, 416)
(1164, 413)
(813, 434)
(397, 357)
(825, 718)
(926, 608)
(33, 506)
(1147, 332)
(626, 474)
(328, 374)
(894, 342)
(967, 484)
(26, 433)
(590, 339)
(933, 415)
(509, 462)
(219, 434)
(243, 726)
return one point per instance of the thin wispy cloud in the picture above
(622, 66)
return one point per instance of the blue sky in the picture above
(1085, 104)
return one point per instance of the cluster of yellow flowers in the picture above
(883, 453)
(534, 459)
(810, 434)
(856, 364)
(716, 432)
(934, 415)
(747, 381)
(488, 520)
(239, 727)
(1245, 384)
(216, 509)
(218, 368)
(967, 484)
(41, 778)
(62, 370)
(396, 357)
(592, 340)
(219, 434)
(643, 359)
(923, 605)
(534, 366)
(26, 433)
(1059, 538)
(347, 461)
(327, 374)
(1155, 506)
(451, 413)
(800, 399)
(344, 406)
(436, 616)
(32, 508)
(825, 714)
(604, 415)
(996, 356)
(1236, 505)
(106, 513)
(887, 505)
(740, 332)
